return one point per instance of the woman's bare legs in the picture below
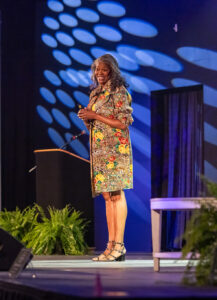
(120, 216)
(116, 214)
(110, 225)
(110, 211)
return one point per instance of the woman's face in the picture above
(102, 73)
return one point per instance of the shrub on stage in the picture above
(61, 232)
(18, 223)
(201, 238)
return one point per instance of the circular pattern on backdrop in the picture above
(77, 146)
(82, 98)
(61, 57)
(73, 75)
(87, 14)
(55, 5)
(47, 95)
(111, 8)
(198, 56)
(81, 56)
(72, 3)
(124, 61)
(138, 27)
(56, 137)
(65, 38)
(108, 33)
(67, 20)
(52, 77)
(76, 121)
(84, 36)
(44, 114)
(61, 118)
(49, 40)
(161, 61)
(67, 79)
(51, 23)
(65, 98)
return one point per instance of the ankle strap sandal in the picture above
(103, 256)
(122, 252)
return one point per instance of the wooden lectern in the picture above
(64, 178)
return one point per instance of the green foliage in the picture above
(61, 232)
(201, 238)
(17, 222)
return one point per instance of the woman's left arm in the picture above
(86, 115)
(122, 117)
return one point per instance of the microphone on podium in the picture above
(73, 137)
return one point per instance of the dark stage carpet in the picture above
(62, 277)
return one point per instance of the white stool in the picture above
(177, 204)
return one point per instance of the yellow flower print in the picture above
(94, 107)
(106, 93)
(100, 177)
(110, 165)
(131, 167)
(121, 149)
(99, 135)
(118, 130)
(127, 150)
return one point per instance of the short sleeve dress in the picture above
(110, 148)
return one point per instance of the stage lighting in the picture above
(65, 38)
(138, 27)
(62, 58)
(52, 78)
(61, 118)
(68, 20)
(65, 98)
(108, 33)
(47, 95)
(49, 40)
(87, 15)
(44, 114)
(56, 137)
(84, 36)
(111, 8)
(51, 23)
(198, 56)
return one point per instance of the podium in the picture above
(64, 178)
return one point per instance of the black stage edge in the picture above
(11, 291)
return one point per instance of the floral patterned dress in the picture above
(110, 148)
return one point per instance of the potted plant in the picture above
(201, 238)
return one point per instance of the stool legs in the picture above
(156, 236)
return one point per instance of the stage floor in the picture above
(65, 277)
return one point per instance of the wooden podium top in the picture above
(61, 150)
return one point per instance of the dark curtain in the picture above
(18, 104)
(177, 153)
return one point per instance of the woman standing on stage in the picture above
(107, 117)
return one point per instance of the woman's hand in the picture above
(85, 114)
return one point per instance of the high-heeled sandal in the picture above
(103, 256)
(121, 251)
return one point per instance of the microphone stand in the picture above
(74, 137)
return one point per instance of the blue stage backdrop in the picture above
(158, 44)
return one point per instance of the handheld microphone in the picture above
(73, 137)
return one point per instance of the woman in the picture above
(108, 116)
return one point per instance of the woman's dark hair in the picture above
(115, 75)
